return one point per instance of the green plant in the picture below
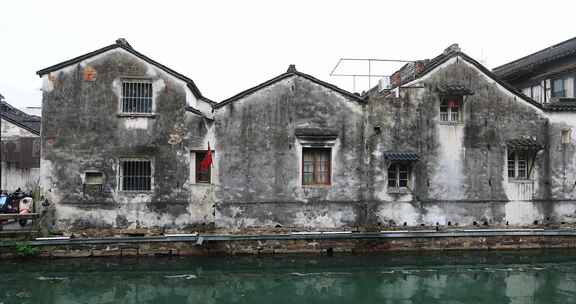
(26, 250)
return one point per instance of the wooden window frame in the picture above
(448, 115)
(199, 156)
(397, 172)
(562, 80)
(316, 180)
(514, 165)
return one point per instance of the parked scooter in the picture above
(17, 202)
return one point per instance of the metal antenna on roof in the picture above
(483, 57)
(368, 75)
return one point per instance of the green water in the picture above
(455, 277)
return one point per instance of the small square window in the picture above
(518, 165)
(316, 166)
(566, 136)
(93, 178)
(451, 109)
(135, 175)
(399, 175)
(137, 96)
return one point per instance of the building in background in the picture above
(547, 76)
(20, 148)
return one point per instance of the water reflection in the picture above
(519, 277)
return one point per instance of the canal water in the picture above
(454, 277)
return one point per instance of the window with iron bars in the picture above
(316, 166)
(399, 175)
(135, 175)
(450, 109)
(518, 165)
(136, 96)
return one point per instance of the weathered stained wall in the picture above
(82, 131)
(460, 177)
(260, 157)
(19, 158)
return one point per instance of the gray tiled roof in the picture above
(524, 143)
(317, 133)
(401, 156)
(526, 63)
(562, 105)
(19, 118)
(455, 89)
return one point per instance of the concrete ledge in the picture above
(304, 242)
(333, 235)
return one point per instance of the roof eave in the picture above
(190, 83)
(484, 70)
(20, 124)
(283, 76)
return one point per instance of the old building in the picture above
(548, 76)
(125, 142)
(118, 129)
(20, 148)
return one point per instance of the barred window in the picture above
(451, 108)
(136, 96)
(518, 165)
(316, 166)
(135, 175)
(398, 175)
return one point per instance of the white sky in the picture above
(229, 46)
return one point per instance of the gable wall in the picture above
(82, 131)
(461, 176)
(260, 157)
(256, 181)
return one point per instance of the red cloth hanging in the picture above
(452, 104)
(207, 161)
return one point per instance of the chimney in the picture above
(123, 42)
(454, 48)
(291, 69)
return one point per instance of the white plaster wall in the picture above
(14, 178)
(515, 213)
(448, 176)
(11, 130)
(522, 213)
(134, 210)
(563, 182)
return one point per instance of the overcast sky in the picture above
(230, 46)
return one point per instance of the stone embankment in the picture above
(326, 242)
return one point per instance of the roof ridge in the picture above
(534, 53)
(123, 44)
(20, 118)
(290, 72)
(484, 70)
